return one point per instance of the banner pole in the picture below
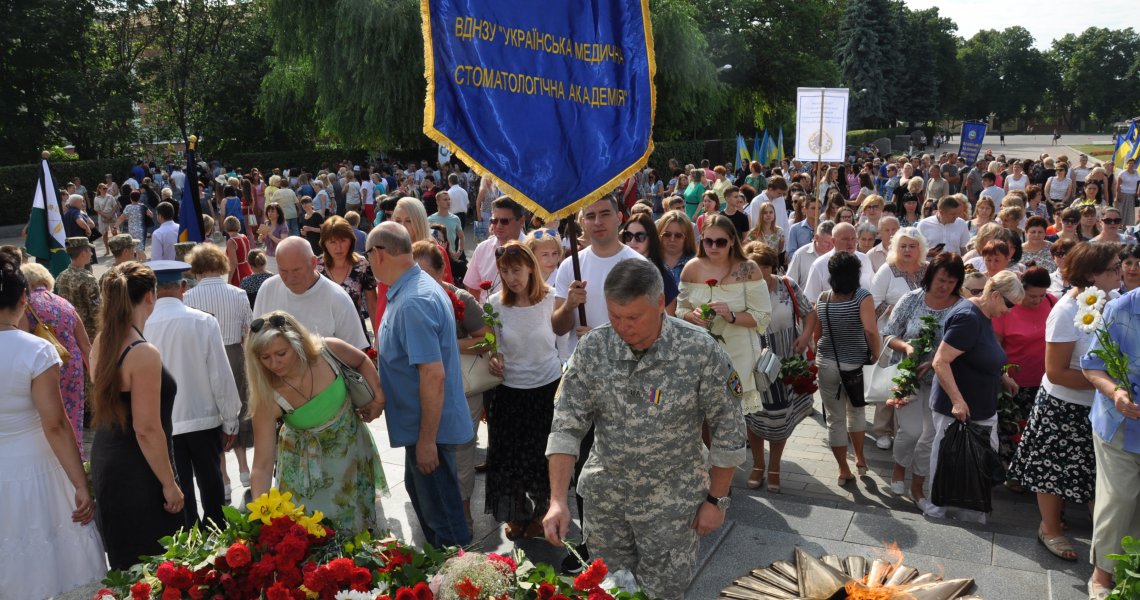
(819, 149)
(573, 235)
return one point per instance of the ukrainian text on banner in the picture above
(973, 133)
(553, 99)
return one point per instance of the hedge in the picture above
(18, 182)
(312, 160)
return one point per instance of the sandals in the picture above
(774, 488)
(861, 469)
(1097, 591)
(1058, 546)
(754, 479)
(844, 480)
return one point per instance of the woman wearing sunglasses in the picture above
(640, 234)
(1110, 221)
(323, 452)
(678, 242)
(968, 370)
(518, 420)
(724, 292)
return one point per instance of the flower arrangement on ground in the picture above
(280, 551)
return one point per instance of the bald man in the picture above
(299, 289)
(819, 280)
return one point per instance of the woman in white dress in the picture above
(47, 538)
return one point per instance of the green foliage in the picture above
(863, 56)
(309, 159)
(1100, 73)
(1008, 68)
(689, 95)
(1127, 570)
(18, 182)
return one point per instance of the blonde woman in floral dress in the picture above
(324, 454)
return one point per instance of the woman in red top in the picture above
(237, 249)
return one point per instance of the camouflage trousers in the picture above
(661, 551)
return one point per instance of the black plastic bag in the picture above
(967, 468)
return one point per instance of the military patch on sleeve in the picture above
(734, 386)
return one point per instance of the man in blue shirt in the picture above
(419, 369)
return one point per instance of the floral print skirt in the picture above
(1055, 455)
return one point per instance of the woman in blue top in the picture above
(968, 369)
(1115, 420)
(233, 204)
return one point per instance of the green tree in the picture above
(863, 55)
(1099, 74)
(1003, 74)
(689, 95)
(915, 98)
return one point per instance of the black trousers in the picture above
(197, 456)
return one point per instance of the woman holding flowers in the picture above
(914, 331)
(518, 420)
(324, 453)
(968, 369)
(783, 404)
(1055, 457)
(724, 292)
(1116, 431)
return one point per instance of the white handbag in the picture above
(477, 377)
(877, 384)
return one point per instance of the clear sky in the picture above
(1045, 19)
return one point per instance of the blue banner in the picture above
(973, 133)
(553, 99)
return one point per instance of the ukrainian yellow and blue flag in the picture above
(1128, 146)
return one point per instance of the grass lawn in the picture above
(1102, 151)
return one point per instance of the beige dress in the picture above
(741, 343)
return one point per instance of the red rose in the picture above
(140, 591)
(506, 560)
(486, 286)
(559, 597)
(599, 594)
(710, 282)
(383, 597)
(422, 592)
(405, 594)
(182, 578)
(237, 555)
(320, 580)
(165, 572)
(592, 576)
(171, 594)
(546, 590)
(467, 590)
(278, 592)
(361, 579)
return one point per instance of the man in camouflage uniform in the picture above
(649, 494)
(78, 286)
(122, 247)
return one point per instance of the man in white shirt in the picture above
(991, 190)
(506, 225)
(322, 306)
(206, 406)
(164, 238)
(460, 200)
(819, 279)
(945, 229)
(777, 188)
(800, 265)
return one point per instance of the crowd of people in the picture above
(631, 373)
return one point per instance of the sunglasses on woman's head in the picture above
(629, 236)
(511, 250)
(541, 233)
(276, 321)
(717, 242)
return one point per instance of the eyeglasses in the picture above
(511, 250)
(629, 236)
(1009, 305)
(715, 242)
(1116, 221)
(544, 233)
(1070, 221)
(502, 221)
(376, 247)
(672, 235)
(276, 321)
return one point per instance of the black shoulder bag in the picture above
(851, 381)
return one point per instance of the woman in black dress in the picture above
(138, 497)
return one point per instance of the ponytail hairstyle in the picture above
(124, 287)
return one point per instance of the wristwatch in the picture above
(721, 503)
(733, 315)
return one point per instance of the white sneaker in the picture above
(929, 509)
(883, 443)
(898, 488)
(971, 516)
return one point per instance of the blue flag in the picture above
(765, 149)
(973, 134)
(553, 99)
(1127, 146)
(756, 148)
(780, 146)
(742, 158)
(190, 225)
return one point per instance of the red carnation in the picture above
(710, 282)
(506, 560)
(560, 597)
(467, 589)
(546, 590)
(361, 579)
(171, 594)
(592, 576)
(278, 592)
(140, 591)
(599, 594)
(342, 569)
(383, 597)
(238, 556)
(1022, 424)
(486, 286)
(422, 591)
(165, 572)
(405, 594)
(1016, 438)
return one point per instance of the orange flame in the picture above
(894, 554)
(857, 591)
